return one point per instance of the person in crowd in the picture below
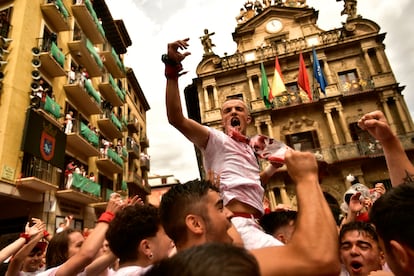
(393, 216)
(193, 214)
(137, 238)
(208, 259)
(64, 224)
(359, 249)
(69, 253)
(279, 224)
(306, 253)
(69, 122)
(399, 166)
(392, 213)
(26, 236)
(235, 161)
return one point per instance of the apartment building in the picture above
(73, 127)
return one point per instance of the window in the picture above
(349, 81)
(303, 141)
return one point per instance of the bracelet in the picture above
(167, 61)
(25, 236)
(106, 217)
(45, 234)
(173, 72)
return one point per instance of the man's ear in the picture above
(144, 248)
(249, 119)
(400, 254)
(195, 224)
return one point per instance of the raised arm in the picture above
(194, 131)
(313, 249)
(399, 166)
(93, 242)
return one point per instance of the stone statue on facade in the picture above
(207, 43)
(350, 9)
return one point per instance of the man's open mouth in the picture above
(235, 122)
(356, 265)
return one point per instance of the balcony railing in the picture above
(110, 125)
(109, 162)
(132, 147)
(356, 86)
(82, 141)
(85, 185)
(56, 15)
(51, 57)
(83, 96)
(84, 54)
(132, 124)
(40, 175)
(144, 161)
(113, 63)
(111, 92)
(87, 19)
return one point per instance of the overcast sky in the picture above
(151, 24)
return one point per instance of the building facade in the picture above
(73, 127)
(358, 76)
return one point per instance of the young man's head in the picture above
(235, 113)
(193, 213)
(33, 261)
(359, 248)
(393, 216)
(208, 259)
(280, 224)
(136, 236)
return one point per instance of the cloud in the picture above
(151, 24)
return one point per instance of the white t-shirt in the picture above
(131, 271)
(238, 168)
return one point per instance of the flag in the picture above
(317, 72)
(264, 89)
(303, 80)
(278, 86)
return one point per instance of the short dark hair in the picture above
(181, 200)
(393, 216)
(129, 227)
(274, 220)
(359, 226)
(208, 259)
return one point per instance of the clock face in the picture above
(274, 26)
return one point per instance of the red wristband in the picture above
(25, 236)
(173, 71)
(106, 217)
(45, 234)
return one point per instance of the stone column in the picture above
(388, 115)
(332, 127)
(328, 75)
(269, 127)
(272, 199)
(284, 196)
(206, 101)
(258, 129)
(369, 63)
(251, 87)
(202, 106)
(401, 113)
(215, 95)
(344, 127)
(381, 60)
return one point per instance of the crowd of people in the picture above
(218, 226)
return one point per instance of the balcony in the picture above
(109, 125)
(110, 163)
(144, 142)
(56, 15)
(40, 175)
(134, 178)
(356, 86)
(144, 161)
(85, 55)
(83, 142)
(84, 97)
(132, 147)
(52, 60)
(86, 17)
(132, 124)
(383, 79)
(113, 63)
(111, 92)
